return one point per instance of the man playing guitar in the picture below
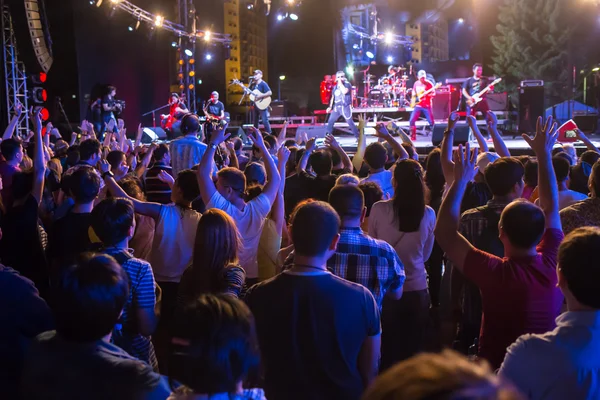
(423, 91)
(258, 83)
(177, 109)
(473, 86)
(214, 111)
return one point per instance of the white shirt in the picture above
(567, 198)
(249, 222)
(173, 245)
(384, 180)
(413, 248)
(562, 364)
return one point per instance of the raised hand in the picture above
(111, 125)
(165, 177)
(452, 120)
(36, 118)
(361, 122)
(492, 120)
(18, 109)
(465, 167)
(121, 124)
(381, 131)
(219, 135)
(256, 137)
(283, 154)
(330, 141)
(472, 121)
(230, 146)
(311, 144)
(545, 136)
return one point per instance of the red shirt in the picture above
(519, 295)
(420, 88)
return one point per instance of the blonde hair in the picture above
(447, 375)
(347, 179)
(26, 163)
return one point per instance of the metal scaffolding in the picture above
(15, 77)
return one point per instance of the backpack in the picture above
(489, 241)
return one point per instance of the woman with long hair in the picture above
(406, 222)
(436, 183)
(215, 266)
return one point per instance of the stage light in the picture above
(250, 6)
(180, 62)
(137, 24)
(388, 38)
(282, 77)
(99, 3)
(390, 59)
(207, 36)
(355, 46)
(294, 17)
(45, 114)
(279, 17)
(181, 87)
(115, 1)
(92, 2)
(130, 28)
(173, 44)
(188, 52)
(192, 73)
(460, 20)
(158, 21)
(350, 70)
(290, 2)
(596, 69)
(370, 54)
(43, 77)
(191, 87)
(208, 56)
(199, 81)
(192, 61)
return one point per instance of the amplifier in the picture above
(532, 83)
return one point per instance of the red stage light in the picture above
(43, 76)
(45, 114)
(44, 95)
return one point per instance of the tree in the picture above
(534, 41)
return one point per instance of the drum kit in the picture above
(390, 91)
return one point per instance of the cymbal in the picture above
(404, 77)
(369, 81)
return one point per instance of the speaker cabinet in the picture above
(461, 133)
(531, 106)
(442, 105)
(153, 134)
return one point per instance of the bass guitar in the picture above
(418, 98)
(261, 104)
(477, 97)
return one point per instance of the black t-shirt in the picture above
(294, 192)
(21, 245)
(215, 108)
(477, 194)
(69, 237)
(309, 338)
(473, 85)
(318, 187)
(341, 99)
(578, 180)
(110, 102)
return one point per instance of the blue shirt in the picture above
(186, 152)
(561, 364)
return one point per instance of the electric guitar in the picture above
(477, 97)
(418, 98)
(261, 104)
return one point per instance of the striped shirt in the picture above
(186, 152)
(142, 295)
(158, 191)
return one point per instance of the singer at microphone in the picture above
(341, 104)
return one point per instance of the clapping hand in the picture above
(545, 136)
(465, 167)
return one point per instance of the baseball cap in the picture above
(484, 159)
(422, 74)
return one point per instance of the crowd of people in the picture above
(192, 270)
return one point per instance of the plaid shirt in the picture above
(361, 259)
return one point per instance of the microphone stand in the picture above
(154, 115)
(62, 111)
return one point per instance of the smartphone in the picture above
(320, 142)
(567, 132)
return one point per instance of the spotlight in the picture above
(461, 20)
(208, 57)
(250, 6)
(290, 2)
(192, 73)
(130, 28)
(173, 44)
(137, 24)
(350, 70)
(282, 77)
(355, 46)
(294, 17)
(370, 54)
(596, 69)
(188, 52)
(199, 81)
(99, 3)
(207, 36)
(390, 59)
(279, 17)
(388, 38)
(191, 87)
(92, 2)
(158, 21)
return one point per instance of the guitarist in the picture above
(341, 104)
(472, 86)
(423, 106)
(214, 110)
(258, 83)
